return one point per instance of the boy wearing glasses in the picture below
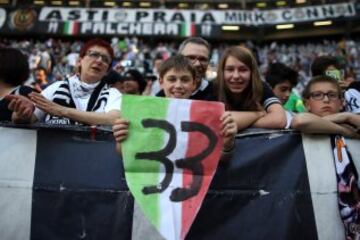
(83, 98)
(327, 65)
(324, 101)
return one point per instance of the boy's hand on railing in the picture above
(21, 107)
(120, 129)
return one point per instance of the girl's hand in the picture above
(228, 130)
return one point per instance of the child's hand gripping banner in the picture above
(170, 157)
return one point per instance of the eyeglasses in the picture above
(96, 55)
(320, 95)
(201, 59)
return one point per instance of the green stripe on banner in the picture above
(183, 32)
(135, 168)
(66, 27)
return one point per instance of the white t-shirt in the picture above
(81, 93)
(289, 118)
(352, 97)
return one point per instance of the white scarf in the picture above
(81, 91)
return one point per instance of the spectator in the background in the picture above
(40, 79)
(352, 97)
(158, 60)
(134, 82)
(197, 50)
(34, 58)
(72, 59)
(115, 80)
(322, 64)
(61, 71)
(282, 79)
(155, 87)
(14, 71)
(46, 61)
(83, 98)
(330, 66)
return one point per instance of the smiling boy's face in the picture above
(177, 84)
(330, 103)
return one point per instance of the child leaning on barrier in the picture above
(177, 79)
(238, 85)
(282, 80)
(324, 101)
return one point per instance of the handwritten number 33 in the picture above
(191, 163)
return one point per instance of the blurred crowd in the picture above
(55, 59)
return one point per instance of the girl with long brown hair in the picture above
(240, 87)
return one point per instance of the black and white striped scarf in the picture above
(67, 98)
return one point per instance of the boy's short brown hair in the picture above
(178, 63)
(319, 79)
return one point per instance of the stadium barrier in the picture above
(68, 183)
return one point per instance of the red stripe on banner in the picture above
(200, 112)
(193, 29)
(76, 28)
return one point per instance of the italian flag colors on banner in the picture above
(170, 157)
(188, 29)
(71, 27)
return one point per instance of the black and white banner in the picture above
(69, 184)
(239, 17)
(159, 22)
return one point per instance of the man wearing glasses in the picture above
(83, 98)
(197, 51)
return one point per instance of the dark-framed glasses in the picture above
(96, 55)
(320, 95)
(201, 59)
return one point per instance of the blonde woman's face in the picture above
(237, 75)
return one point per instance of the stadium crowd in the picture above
(58, 56)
